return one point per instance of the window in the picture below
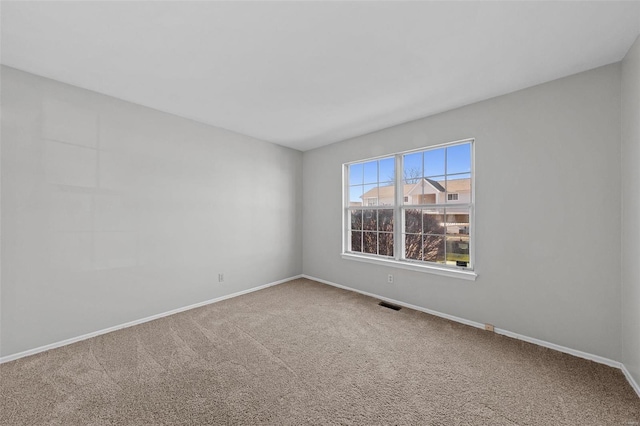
(371, 192)
(412, 208)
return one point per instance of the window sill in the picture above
(430, 269)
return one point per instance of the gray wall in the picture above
(631, 211)
(547, 213)
(112, 212)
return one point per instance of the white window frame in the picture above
(397, 260)
(450, 196)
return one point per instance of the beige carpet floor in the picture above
(306, 353)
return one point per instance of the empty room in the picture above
(292, 213)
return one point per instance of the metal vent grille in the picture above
(390, 306)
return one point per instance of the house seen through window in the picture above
(412, 207)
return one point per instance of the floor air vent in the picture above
(390, 306)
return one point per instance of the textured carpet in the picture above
(306, 353)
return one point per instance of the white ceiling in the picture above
(307, 74)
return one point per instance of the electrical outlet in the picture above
(489, 327)
(390, 279)
(220, 278)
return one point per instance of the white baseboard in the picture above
(507, 333)
(574, 352)
(136, 322)
(559, 348)
(630, 379)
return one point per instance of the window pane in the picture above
(457, 221)
(385, 220)
(355, 195)
(433, 248)
(386, 194)
(412, 221)
(369, 220)
(355, 174)
(433, 221)
(370, 242)
(434, 162)
(356, 220)
(387, 170)
(459, 159)
(385, 239)
(413, 246)
(412, 171)
(356, 241)
(371, 172)
(458, 250)
(459, 189)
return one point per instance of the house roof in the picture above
(459, 185)
(436, 185)
(384, 191)
(456, 185)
